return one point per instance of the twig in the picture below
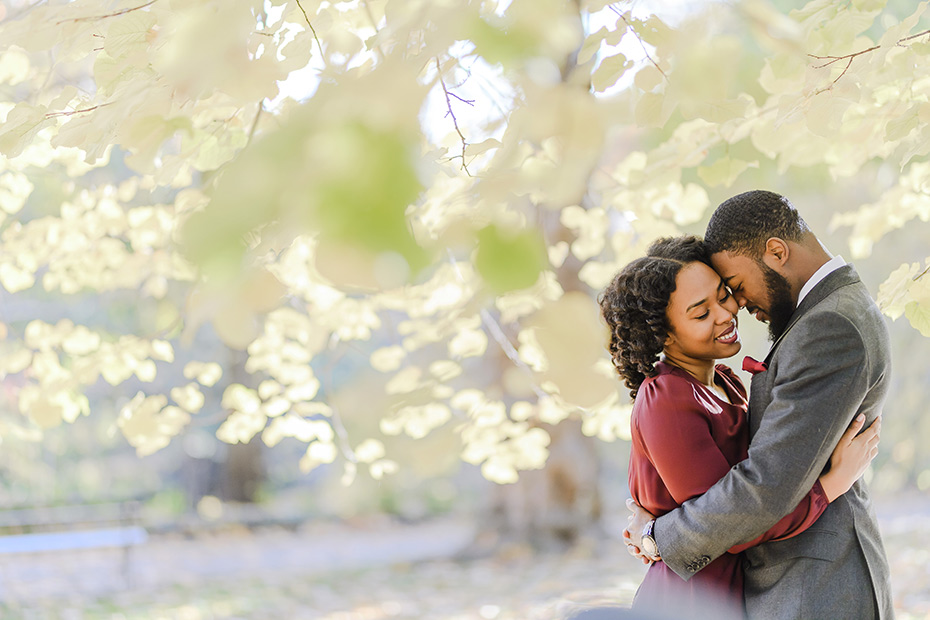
(255, 121)
(849, 57)
(309, 25)
(72, 112)
(99, 17)
(922, 273)
(455, 121)
(470, 102)
(913, 36)
(497, 333)
(641, 42)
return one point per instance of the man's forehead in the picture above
(730, 264)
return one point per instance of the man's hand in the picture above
(633, 533)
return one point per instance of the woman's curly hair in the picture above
(635, 304)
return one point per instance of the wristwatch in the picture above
(649, 546)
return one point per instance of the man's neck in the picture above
(809, 257)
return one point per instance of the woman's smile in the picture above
(729, 335)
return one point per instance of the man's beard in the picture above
(781, 303)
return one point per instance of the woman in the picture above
(689, 424)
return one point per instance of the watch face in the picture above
(649, 547)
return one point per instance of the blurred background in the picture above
(298, 298)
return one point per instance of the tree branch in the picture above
(641, 42)
(99, 17)
(73, 112)
(309, 25)
(849, 57)
(455, 121)
(258, 115)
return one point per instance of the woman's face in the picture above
(702, 316)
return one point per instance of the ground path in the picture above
(372, 570)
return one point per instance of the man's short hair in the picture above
(743, 223)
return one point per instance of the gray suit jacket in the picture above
(831, 363)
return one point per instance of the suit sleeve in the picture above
(678, 442)
(805, 515)
(819, 386)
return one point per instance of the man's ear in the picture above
(776, 253)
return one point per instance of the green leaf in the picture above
(364, 202)
(919, 317)
(509, 262)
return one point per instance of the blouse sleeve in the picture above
(677, 438)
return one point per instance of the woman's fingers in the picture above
(853, 429)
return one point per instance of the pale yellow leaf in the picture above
(468, 343)
(919, 316)
(189, 397)
(609, 71)
(277, 406)
(14, 278)
(387, 359)
(369, 451)
(592, 44)
(240, 398)
(382, 468)
(22, 124)
(893, 292)
(129, 34)
(206, 373)
(499, 470)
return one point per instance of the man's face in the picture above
(758, 288)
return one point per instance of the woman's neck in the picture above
(702, 370)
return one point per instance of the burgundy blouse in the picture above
(685, 439)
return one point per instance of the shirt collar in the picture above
(826, 269)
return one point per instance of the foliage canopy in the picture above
(448, 182)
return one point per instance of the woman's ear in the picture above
(776, 253)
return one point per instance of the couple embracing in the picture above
(752, 505)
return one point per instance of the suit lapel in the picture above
(839, 278)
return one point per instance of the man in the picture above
(829, 361)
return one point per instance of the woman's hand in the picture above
(851, 457)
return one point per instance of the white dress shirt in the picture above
(826, 269)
